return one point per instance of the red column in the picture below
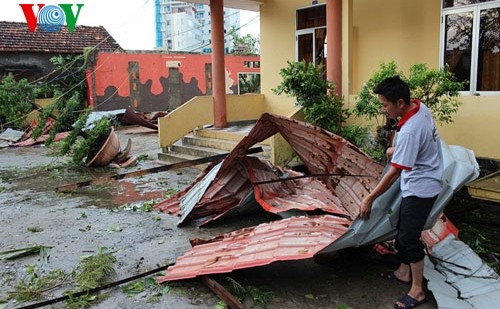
(218, 65)
(334, 43)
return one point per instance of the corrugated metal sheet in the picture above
(460, 167)
(458, 278)
(286, 239)
(321, 151)
(277, 195)
(347, 175)
(9, 136)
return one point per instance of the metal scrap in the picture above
(242, 182)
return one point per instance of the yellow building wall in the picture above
(406, 31)
(374, 31)
(33, 115)
(277, 39)
(476, 126)
(199, 111)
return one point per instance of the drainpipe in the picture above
(334, 45)
(218, 66)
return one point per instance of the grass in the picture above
(22, 252)
(34, 229)
(261, 298)
(146, 206)
(91, 272)
(148, 284)
(35, 285)
(94, 270)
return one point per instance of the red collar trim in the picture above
(410, 113)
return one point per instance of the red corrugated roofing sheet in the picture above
(354, 174)
(344, 176)
(288, 239)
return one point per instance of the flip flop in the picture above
(391, 276)
(408, 302)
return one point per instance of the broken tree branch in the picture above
(97, 289)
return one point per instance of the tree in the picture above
(70, 111)
(437, 88)
(243, 45)
(321, 106)
(16, 101)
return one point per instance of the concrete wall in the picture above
(159, 81)
(27, 65)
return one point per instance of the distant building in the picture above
(27, 54)
(185, 27)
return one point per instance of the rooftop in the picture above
(16, 36)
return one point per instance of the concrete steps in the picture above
(208, 142)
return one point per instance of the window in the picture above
(310, 33)
(471, 43)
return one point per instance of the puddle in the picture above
(111, 195)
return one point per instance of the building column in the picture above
(218, 65)
(334, 44)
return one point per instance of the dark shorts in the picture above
(412, 217)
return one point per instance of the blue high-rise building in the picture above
(185, 27)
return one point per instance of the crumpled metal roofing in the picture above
(458, 278)
(344, 174)
(287, 239)
(352, 174)
(460, 167)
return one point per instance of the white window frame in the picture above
(476, 10)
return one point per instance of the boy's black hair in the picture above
(393, 88)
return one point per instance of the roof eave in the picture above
(248, 5)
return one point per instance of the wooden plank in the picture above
(223, 294)
(102, 180)
(486, 188)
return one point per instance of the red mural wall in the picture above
(151, 82)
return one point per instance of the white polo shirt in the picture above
(418, 153)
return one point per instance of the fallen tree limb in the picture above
(22, 252)
(101, 180)
(95, 290)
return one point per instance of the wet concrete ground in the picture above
(79, 223)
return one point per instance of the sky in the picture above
(130, 22)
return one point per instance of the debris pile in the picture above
(109, 154)
(324, 201)
(317, 211)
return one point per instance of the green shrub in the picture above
(321, 106)
(67, 84)
(305, 82)
(87, 147)
(437, 88)
(17, 99)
